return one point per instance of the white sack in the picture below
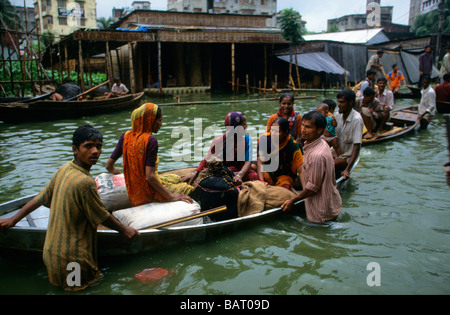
(141, 217)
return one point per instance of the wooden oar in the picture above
(90, 90)
(184, 219)
(385, 76)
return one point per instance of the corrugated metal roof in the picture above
(367, 36)
(317, 61)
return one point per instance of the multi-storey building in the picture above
(359, 21)
(63, 17)
(118, 13)
(418, 7)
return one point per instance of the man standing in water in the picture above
(322, 199)
(349, 132)
(75, 212)
(427, 106)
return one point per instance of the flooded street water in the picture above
(395, 214)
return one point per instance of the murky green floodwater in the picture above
(395, 213)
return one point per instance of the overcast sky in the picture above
(314, 13)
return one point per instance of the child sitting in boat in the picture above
(329, 134)
(372, 112)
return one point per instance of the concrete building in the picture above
(118, 13)
(63, 17)
(418, 7)
(26, 16)
(359, 21)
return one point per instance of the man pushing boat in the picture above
(75, 212)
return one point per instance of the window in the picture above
(62, 4)
(62, 20)
(80, 4)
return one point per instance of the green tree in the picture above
(104, 23)
(428, 23)
(9, 15)
(292, 30)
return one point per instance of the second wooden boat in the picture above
(401, 122)
(443, 107)
(45, 110)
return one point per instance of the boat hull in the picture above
(46, 110)
(443, 107)
(111, 243)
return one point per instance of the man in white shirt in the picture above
(427, 106)
(349, 132)
(445, 67)
(385, 96)
(118, 89)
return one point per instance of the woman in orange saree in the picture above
(139, 149)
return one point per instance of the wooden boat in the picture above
(29, 234)
(443, 107)
(44, 110)
(13, 99)
(402, 121)
(414, 93)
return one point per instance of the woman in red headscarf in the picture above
(234, 148)
(139, 149)
(286, 111)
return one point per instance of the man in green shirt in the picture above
(75, 212)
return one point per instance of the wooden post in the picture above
(247, 83)
(265, 67)
(81, 65)
(60, 64)
(51, 59)
(149, 69)
(233, 67)
(108, 64)
(118, 63)
(296, 68)
(130, 59)
(159, 64)
(66, 58)
(345, 78)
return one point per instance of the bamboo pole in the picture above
(51, 58)
(130, 59)
(233, 68)
(107, 64)
(118, 63)
(149, 69)
(60, 64)
(265, 66)
(159, 64)
(81, 64)
(247, 84)
(66, 58)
